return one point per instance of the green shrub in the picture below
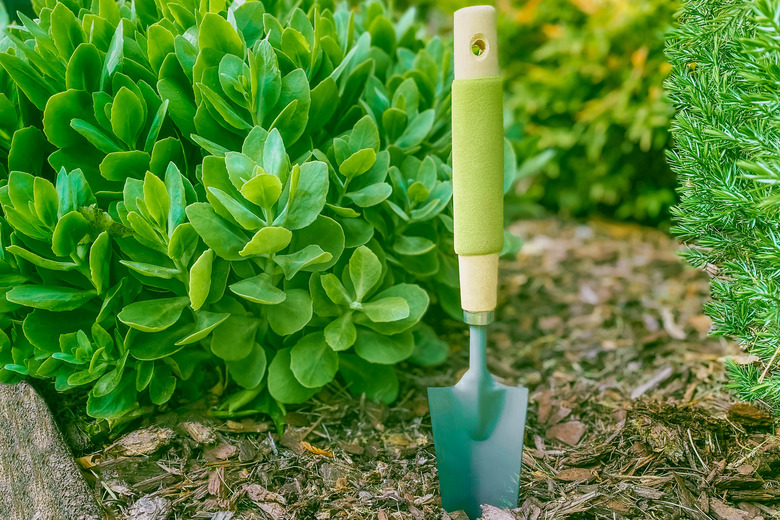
(727, 155)
(585, 81)
(244, 192)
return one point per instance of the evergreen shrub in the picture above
(724, 83)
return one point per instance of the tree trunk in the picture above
(38, 478)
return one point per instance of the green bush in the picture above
(727, 155)
(245, 193)
(584, 81)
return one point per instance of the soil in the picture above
(629, 417)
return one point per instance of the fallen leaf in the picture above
(315, 450)
(569, 432)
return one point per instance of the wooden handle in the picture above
(476, 56)
(476, 43)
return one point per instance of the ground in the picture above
(629, 414)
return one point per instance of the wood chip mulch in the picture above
(629, 413)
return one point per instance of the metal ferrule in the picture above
(478, 318)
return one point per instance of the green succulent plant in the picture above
(245, 193)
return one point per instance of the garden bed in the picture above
(629, 416)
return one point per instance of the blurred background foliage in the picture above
(585, 104)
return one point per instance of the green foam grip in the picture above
(478, 165)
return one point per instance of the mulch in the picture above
(629, 417)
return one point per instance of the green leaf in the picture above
(292, 314)
(341, 333)
(117, 403)
(365, 135)
(378, 382)
(249, 372)
(73, 191)
(415, 297)
(370, 195)
(216, 33)
(429, 350)
(358, 163)
(65, 30)
(365, 271)
(119, 166)
(263, 190)
(84, 66)
(259, 289)
(243, 215)
(306, 257)
(387, 309)
(205, 323)
(200, 279)
(275, 160)
(99, 261)
(32, 84)
(158, 345)
(95, 136)
(220, 235)
(113, 57)
(156, 199)
(335, 289)
(162, 385)
(50, 298)
(313, 362)
(153, 315)
(61, 108)
(383, 349)
(409, 245)
(267, 240)
(282, 383)
(235, 338)
(418, 129)
(152, 270)
(325, 233)
(127, 116)
(223, 108)
(307, 196)
(266, 80)
(156, 126)
(53, 265)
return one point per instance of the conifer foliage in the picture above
(724, 85)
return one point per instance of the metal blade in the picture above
(482, 471)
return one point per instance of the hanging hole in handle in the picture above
(479, 45)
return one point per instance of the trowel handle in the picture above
(477, 157)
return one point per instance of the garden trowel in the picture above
(478, 424)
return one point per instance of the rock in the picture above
(38, 477)
(150, 508)
(494, 513)
(569, 432)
